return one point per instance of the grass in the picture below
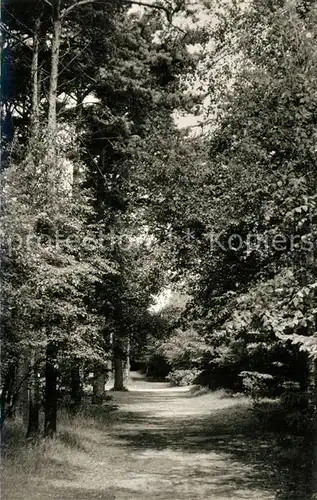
(24, 459)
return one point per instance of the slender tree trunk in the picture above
(119, 357)
(312, 384)
(7, 392)
(3, 398)
(23, 374)
(30, 397)
(11, 392)
(34, 399)
(33, 149)
(79, 104)
(127, 363)
(50, 390)
(35, 116)
(53, 175)
(57, 28)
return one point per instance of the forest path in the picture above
(165, 443)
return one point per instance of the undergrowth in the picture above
(22, 456)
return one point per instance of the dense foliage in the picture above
(241, 225)
(86, 85)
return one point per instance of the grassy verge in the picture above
(24, 460)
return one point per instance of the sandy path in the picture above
(163, 443)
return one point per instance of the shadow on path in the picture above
(169, 444)
(220, 440)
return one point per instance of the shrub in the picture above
(157, 367)
(255, 383)
(288, 415)
(183, 377)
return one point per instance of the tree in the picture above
(251, 209)
(58, 292)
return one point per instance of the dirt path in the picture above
(163, 443)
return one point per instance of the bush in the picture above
(288, 415)
(220, 377)
(294, 400)
(297, 416)
(157, 367)
(256, 384)
(183, 377)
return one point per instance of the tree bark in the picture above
(23, 388)
(312, 384)
(35, 116)
(33, 398)
(99, 385)
(57, 28)
(7, 393)
(127, 362)
(120, 362)
(118, 373)
(33, 139)
(50, 390)
(12, 391)
(3, 398)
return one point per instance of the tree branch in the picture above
(151, 6)
(75, 57)
(48, 3)
(78, 3)
(20, 23)
(15, 37)
(65, 12)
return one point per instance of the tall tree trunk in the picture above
(50, 390)
(127, 362)
(118, 374)
(33, 149)
(12, 390)
(23, 374)
(7, 392)
(35, 115)
(34, 399)
(312, 384)
(119, 357)
(57, 28)
(3, 398)
(78, 126)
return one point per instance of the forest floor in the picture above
(164, 443)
